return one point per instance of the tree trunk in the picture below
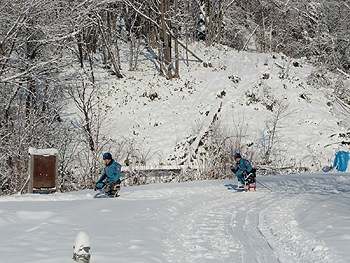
(187, 33)
(131, 49)
(177, 73)
(30, 99)
(218, 37)
(164, 5)
(160, 54)
(80, 48)
(264, 33)
(209, 22)
(153, 36)
(110, 53)
(118, 55)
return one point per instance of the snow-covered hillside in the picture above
(305, 218)
(158, 122)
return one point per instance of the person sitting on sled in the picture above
(242, 169)
(111, 173)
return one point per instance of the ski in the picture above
(246, 188)
(242, 191)
(105, 195)
(237, 191)
(110, 190)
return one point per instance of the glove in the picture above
(245, 173)
(233, 169)
(100, 185)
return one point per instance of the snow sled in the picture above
(250, 182)
(109, 190)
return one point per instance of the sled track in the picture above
(224, 230)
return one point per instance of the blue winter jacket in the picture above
(111, 173)
(243, 165)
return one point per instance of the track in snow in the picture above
(243, 227)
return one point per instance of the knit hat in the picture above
(107, 156)
(237, 155)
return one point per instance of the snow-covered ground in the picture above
(305, 218)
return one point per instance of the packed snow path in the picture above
(224, 229)
(246, 227)
(305, 219)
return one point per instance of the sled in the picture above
(110, 190)
(251, 180)
(253, 185)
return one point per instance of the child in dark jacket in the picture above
(111, 173)
(242, 169)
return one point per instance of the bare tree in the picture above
(279, 112)
(30, 54)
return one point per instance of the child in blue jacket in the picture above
(111, 173)
(242, 168)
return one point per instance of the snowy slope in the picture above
(147, 116)
(305, 219)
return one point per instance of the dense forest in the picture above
(41, 40)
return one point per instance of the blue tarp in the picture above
(341, 161)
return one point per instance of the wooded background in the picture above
(40, 39)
